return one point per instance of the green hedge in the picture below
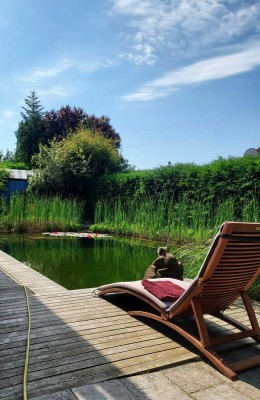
(237, 178)
(14, 165)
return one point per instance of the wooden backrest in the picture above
(234, 265)
(231, 266)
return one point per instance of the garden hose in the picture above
(26, 363)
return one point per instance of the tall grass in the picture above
(193, 255)
(24, 213)
(164, 220)
(191, 224)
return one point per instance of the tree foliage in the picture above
(30, 131)
(72, 165)
(8, 156)
(58, 124)
(38, 127)
(3, 178)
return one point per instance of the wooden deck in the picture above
(76, 339)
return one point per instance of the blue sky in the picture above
(179, 79)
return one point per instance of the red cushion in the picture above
(164, 290)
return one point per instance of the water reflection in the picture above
(77, 263)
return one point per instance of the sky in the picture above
(179, 79)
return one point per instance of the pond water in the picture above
(77, 263)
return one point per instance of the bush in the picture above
(72, 166)
(14, 165)
(3, 178)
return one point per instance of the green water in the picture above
(77, 263)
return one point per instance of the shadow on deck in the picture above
(77, 339)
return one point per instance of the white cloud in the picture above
(54, 90)
(142, 54)
(8, 113)
(184, 25)
(64, 65)
(38, 74)
(132, 7)
(91, 66)
(202, 71)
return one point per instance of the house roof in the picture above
(19, 174)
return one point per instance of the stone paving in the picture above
(196, 380)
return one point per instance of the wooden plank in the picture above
(75, 338)
(84, 377)
(51, 332)
(83, 355)
(96, 363)
(75, 343)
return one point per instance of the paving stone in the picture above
(247, 389)
(154, 386)
(220, 392)
(108, 390)
(64, 395)
(251, 377)
(249, 383)
(194, 377)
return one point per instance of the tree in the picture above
(31, 129)
(103, 126)
(8, 156)
(72, 165)
(58, 124)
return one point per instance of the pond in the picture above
(77, 263)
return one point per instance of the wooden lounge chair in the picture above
(230, 267)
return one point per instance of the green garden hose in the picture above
(26, 363)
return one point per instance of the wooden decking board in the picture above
(93, 335)
(62, 303)
(61, 310)
(52, 335)
(96, 372)
(82, 379)
(63, 350)
(110, 370)
(82, 361)
(52, 319)
(76, 338)
(55, 334)
(59, 361)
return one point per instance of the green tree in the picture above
(30, 131)
(71, 166)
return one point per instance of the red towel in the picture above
(164, 290)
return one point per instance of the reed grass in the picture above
(164, 220)
(191, 225)
(193, 255)
(25, 213)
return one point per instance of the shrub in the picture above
(71, 166)
(3, 178)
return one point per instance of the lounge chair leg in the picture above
(255, 331)
(209, 353)
(202, 328)
(251, 313)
